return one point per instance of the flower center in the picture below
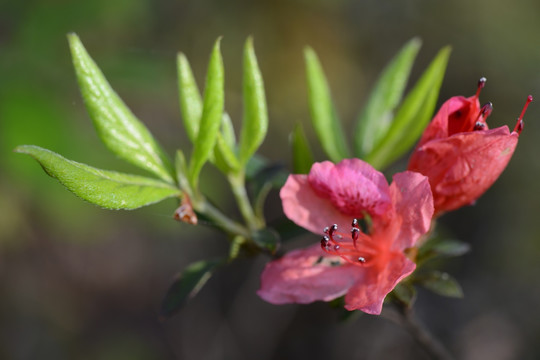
(355, 247)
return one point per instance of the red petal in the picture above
(306, 275)
(369, 291)
(462, 167)
(457, 114)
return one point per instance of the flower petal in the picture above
(413, 204)
(462, 167)
(457, 114)
(353, 187)
(307, 209)
(368, 293)
(306, 275)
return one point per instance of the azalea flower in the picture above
(363, 266)
(460, 155)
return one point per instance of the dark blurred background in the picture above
(78, 282)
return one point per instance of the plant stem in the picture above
(220, 219)
(422, 336)
(237, 182)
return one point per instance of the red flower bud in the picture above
(459, 154)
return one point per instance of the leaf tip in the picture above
(309, 52)
(415, 42)
(20, 149)
(217, 44)
(73, 40)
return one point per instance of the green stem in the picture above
(220, 219)
(237, 182)
(423, 337)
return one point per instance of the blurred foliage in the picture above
(80, 282)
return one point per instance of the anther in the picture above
(479, 126)
(355, 223)
(519, 125)
(481, 84)
(326, 229)
(361, 259)
(486, 110)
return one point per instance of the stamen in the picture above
(519, 125)
(485, 111)
(481, 84)
(355, 247)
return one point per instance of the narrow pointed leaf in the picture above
(378, 113)
(255, 123)
(441, 283)
(227, 131)
(187, 285)
(191, 106)
(302, 156)
(211, 115)
(224, 157)
(224, 153)
(323, 113)
(108, 189)
(190, 97)
(116, 125)
(181, 170)
(436, 248)
(413, 115)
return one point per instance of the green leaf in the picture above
(182, 171)
(413, 114)
(323, 113)
(187, 285)
(227, 131)
(116, 125)
(224, 155)
(405, 293)
(302, 156)
(377, 116)
(255, 123)
(441, 283)
(267, 239)
(191, 104)
(211, 115)
(108, 189)
(436, 247)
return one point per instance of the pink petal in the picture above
(462, 167)
(307, 209)
(353, 187)
(413, 204)
(368, 293)
(306, 275)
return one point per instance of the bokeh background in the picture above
(79, 282)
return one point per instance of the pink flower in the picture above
(459, 155)
(364, 267)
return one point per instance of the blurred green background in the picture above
(78, 282)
